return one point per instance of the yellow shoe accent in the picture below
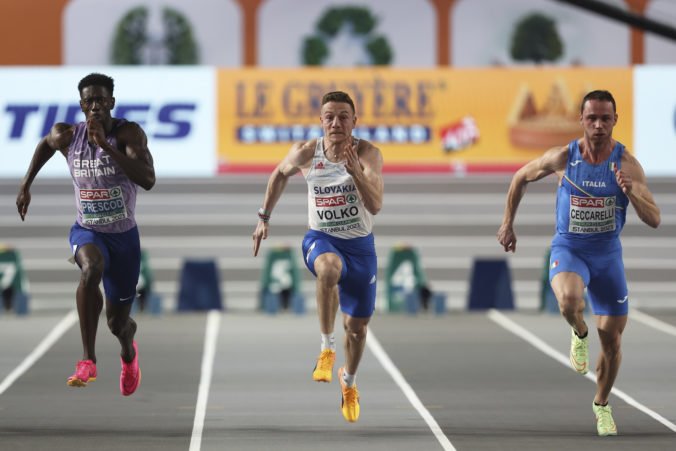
(579, 353)
(605, 425)
(349, 403)
(324, 368)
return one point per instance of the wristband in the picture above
(263, 215)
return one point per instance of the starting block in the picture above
(200, 286)
(491, 285)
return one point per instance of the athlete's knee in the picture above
(611, 343)
(355, 332)
(328, 268)
(92, 272)
(570, 302)
(117, 323)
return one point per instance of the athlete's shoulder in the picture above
(61, 134)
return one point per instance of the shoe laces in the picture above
(324, 361)
(350, 395)
(604, 416)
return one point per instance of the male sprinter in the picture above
(597, 180)
(107, 158)
(345, 190)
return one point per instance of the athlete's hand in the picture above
(95, 132)
(623, 180)
(259, 234)
(22, 202)
(352, 164)
(507, 238)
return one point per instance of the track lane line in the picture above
(653, 322)
(208, 355)
(375, 347)
(52, 337)
(532, 339)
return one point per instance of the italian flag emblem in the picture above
(613, 166)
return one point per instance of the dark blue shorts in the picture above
(602, 272)
(122, 255)
(357, 284)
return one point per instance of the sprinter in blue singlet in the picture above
(345, 191)
(598, 179)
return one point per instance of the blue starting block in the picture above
(491, 285)
(200, 286)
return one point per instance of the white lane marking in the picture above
(652, 322)
(386, 362)
(529, 337)
(210, 336)
(46, 343)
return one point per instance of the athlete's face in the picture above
(96, 102)
(338, 121)
(598, 119)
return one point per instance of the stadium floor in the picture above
(465, 381)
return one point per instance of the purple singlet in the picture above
(104, 195)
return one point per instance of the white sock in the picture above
(329, 342)
(349, 379)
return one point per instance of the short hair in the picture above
(338, 96)
(604, 96)
(96, 79)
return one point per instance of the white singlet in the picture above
(334, 205)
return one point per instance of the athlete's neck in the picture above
(596, 152)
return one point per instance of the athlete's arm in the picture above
(298, 158)
(552, 161)
(133, 155)
(631, 179)
(365, 165)
(58, 138)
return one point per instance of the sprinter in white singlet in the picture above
(345, 190)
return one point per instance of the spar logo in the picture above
(99, 194)
(588, 202)
(351, 198)
(334, 201)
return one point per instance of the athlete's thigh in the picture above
(607, 288)
(358, 288)
(89, 248)
(313, 247)
(121, 277)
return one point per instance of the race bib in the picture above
(592, 214)
(102, 206)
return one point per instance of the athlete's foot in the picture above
(605, 425)
(579, 353)
(323, 371)
(130, 377)
(85, 372)
(349, 403)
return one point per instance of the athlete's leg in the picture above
(88, 296)
(568, 288)
(123, 327)
(354, 341)
(328, 267)
(610, 330)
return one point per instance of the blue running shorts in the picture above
(602, 271)
(357, 283)
(122, 255)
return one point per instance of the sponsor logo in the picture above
(334, 201)
(319, 165)
(590, 202)
(351, 198)
(98, 194)
(460, 134)
(622, 301)
(373, 279)
(575, 163)
(170, 120)
(274, 134)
